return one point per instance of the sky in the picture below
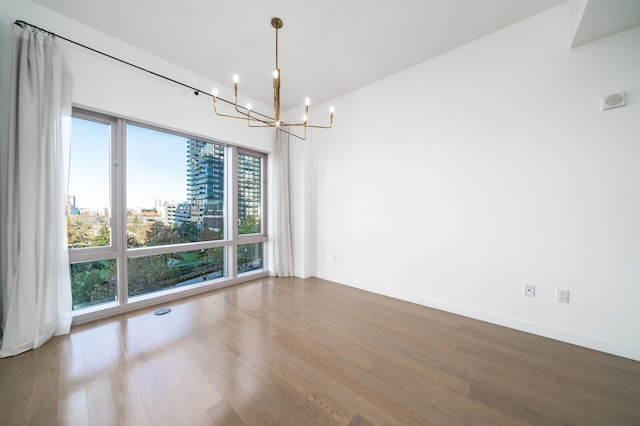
(156, 169)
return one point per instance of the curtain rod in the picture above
(196, 91)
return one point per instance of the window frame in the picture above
(118, 249)
(262, 236)
(87, 254)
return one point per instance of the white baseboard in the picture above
(303, 274)
(602, 345)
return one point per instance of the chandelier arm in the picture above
(307, 125)
(304, 138)
(253, 119)
(261, 125)
(215, 111)
(247, 116)
(323, 127)
(283, 127)
(320, 127)
(293, 124)
(243, 115)
(231, 116)
(236, 107)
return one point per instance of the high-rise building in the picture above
(182, 213)
(169, 208)
(249, 186)
(205, 183)
(71, 206)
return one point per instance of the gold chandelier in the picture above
(254, 121)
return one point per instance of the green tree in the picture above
(217, 258)
(138, 230)
(78, 231)
(189, 231)
(250, 225)
(208, 234)
(103, 238)
(92, 282)
(151, 273)
(211, 260)
(132, 241)
(161, 234)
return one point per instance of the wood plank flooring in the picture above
(298, 352)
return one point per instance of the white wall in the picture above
(454, 182)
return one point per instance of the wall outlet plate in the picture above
(530, 290)
(562, 295)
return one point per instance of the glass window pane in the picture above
(249, 193)
(164, 271)
(249, 257)
(88, 203)
(175, 189)
(93, 283)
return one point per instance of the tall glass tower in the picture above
(205, 183)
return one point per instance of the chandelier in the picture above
(254, 119)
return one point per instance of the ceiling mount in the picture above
(276, 23)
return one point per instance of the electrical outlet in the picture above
(562, 296)
(530, 290)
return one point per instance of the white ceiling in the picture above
(326, 47)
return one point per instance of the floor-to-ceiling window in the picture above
(250, 222)
(152, 212)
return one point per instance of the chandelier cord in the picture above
(196, 91)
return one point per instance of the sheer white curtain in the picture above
(36, 290)
(283, 258)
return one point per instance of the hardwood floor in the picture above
(297, 352)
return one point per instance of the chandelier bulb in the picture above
(235, 78)
(278, 123)
(249, 106)
(215, 93)
(307, 101)
(331, 110)
(305, 118)
(276, 73)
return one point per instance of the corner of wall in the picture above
(577, 12)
